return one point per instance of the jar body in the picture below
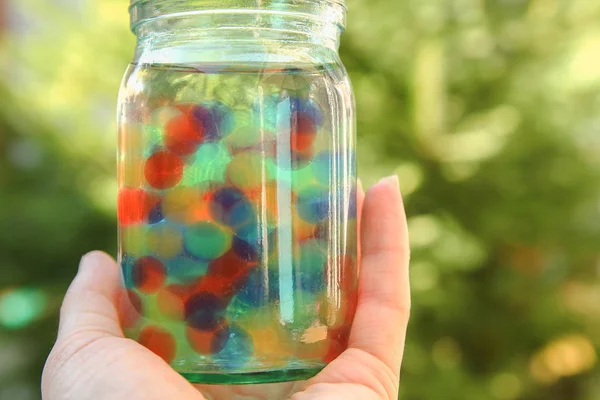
(237, 209)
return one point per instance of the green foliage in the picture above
(488, 112)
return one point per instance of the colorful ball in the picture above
(127, 263)
(307, 107)
(134, 205)
(159, 341)
(183, 135)
(171, 302)
(208, 342)
(247, 170)
(163, 170)
(184, 204)
(204, 311)
(209, 164)
(303, 131)
(244, 137)
(313, 204)
(216, 119)
(253, 242)
(164, 240)
(148, 275)
(230, 206)
(206, 240)
(155, 215)
(184, 269)
(272, 344)
(133, 239)
(231, 267)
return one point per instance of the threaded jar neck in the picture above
(314, 21)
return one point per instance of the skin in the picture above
(93, 360)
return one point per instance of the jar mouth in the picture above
(324, 11)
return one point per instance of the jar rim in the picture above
(336, 2)
(335, 10)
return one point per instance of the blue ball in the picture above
(250, 244)
(185, 269)
(156, 214)
(204, 311)
(229, 206)
(127, 263)
(216, 119)
(313, 204)
(308, 107)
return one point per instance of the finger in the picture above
(91, 359)
(384, 293)
(266, 391)
(90, 302)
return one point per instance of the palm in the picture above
(93, 360)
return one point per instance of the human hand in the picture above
(92, 360)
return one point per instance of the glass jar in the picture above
(237, 188)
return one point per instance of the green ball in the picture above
(207, 240)
(209, 164)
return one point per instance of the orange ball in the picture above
(158, 341)
(171, 300)
(149, 274)
(183, 135)
(208, 342)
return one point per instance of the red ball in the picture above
(183, 135)
(149, 274)
(158, 341)
(303, 132)
(208, 342)
(133, 205)
(163, 170)
(230, 266)
(220, 286)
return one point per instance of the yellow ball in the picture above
(164, 240)
(133, 239)
(248, 170)
(182, 203)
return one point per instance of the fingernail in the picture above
(392, 180)
(89, 259)
(359, 185)
(82, 262)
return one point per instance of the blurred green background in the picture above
(489, 111)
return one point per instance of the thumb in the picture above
(90, 304)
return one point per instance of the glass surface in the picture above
(237, 217)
